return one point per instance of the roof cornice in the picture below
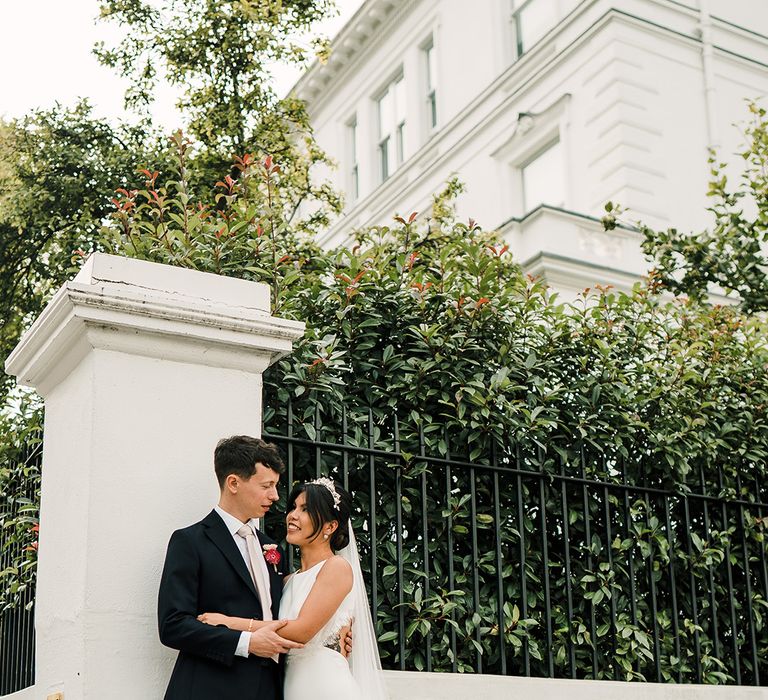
(347, 45)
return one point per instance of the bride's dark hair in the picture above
(320, 507)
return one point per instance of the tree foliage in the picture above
(58, 171)
(245, 231)
(221, 55)
(732, 254)
(452, 355)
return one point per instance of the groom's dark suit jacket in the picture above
(205, 572)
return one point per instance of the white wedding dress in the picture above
(317, 671)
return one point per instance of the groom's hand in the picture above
(266, 642)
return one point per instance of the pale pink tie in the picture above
(258, 568)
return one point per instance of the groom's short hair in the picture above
(240, 454)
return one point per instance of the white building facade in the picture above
(545, 110)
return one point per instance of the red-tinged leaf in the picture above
(400, 220)
(283, 259)
(412, 217)
(259, 231)
(268, 163)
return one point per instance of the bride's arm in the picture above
(239, 624)
(331, 586)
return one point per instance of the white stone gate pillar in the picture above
(143, 367)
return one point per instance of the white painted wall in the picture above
(652, 84)
(143, 368)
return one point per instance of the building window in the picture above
(534, 18)
(543, 178)
(391, 112)
(430, 64)
(353, 174)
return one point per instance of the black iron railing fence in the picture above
(18, 507)
(528, 559)
(545, 562)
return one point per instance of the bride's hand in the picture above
(345, 639)
(215, 619)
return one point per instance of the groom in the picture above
(209, 567)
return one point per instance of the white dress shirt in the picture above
(233, 525)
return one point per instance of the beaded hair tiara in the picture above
(328, 483)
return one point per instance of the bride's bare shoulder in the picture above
(338, 564)
(337, 568)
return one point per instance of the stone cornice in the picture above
(372, 15)
(132, 315)
(352, 39)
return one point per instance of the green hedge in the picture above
(482, 364)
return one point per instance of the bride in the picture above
(321, 598)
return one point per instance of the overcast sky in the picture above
(45, 57)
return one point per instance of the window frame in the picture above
(429, 56)
(390, 145)
(353, 172)
(518, 7)
(545, 147)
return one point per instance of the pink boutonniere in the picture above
(271, 555)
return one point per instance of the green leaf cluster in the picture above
(221, 55)
(731, 255)
(58, 170)
(20, 458)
